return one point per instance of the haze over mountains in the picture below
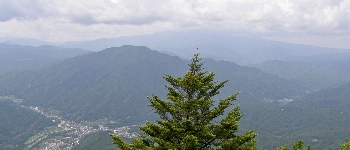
(313, 74)
(299, 92)
(241, 49)
(16, 57)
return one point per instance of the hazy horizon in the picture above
(324, 24)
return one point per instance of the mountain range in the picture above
(114, 84)
(118, 80)
(238, 48)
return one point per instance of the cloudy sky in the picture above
(322, 23)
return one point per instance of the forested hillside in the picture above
(337, 98)
(17, 124)
(283, 124)
(322, 112)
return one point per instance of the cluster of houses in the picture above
(71, 132)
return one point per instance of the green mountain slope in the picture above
(115, 82)
(320, 119)
(337, 98)
(15, 57)
(278, 125)
(17, 124)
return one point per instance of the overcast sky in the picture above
(322, 23)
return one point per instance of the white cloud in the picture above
(78, 19)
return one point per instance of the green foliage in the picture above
(345, 145)
(298, 145)
(188, 119)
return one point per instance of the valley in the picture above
(67, 133)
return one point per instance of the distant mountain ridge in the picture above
(24, 41)
(241, 49)
(16, 57)
(313, 74)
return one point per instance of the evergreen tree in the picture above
(189, 117)
(298, 145)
